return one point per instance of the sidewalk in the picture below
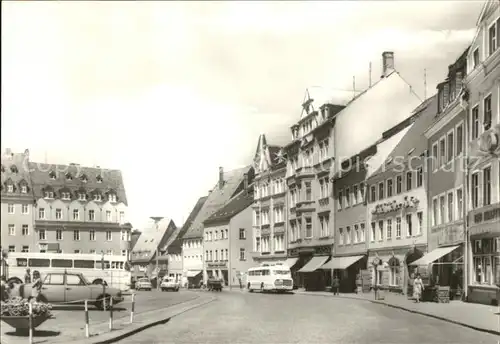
(478, 317)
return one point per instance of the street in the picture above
(292, 318)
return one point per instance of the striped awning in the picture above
(290, 262)
(341, 263)
(434, 255)
(314, 264)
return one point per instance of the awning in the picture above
(314, 264)
(434, 255)
(193, 273)
(341, 263)
(290, 262)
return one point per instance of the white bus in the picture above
(270, 278)
(114, 270)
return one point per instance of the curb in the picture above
(480, 329)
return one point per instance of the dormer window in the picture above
(112, 197)
(14, 169)
(65, 196)
(49, 194)
(10, 188)
(99, 179)
(52, 175)
(24, 189)
(97, 197)
(82, 196)
(84, 178)
(69, 176)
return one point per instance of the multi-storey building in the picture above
(483, 120)
(309, 206)
(446, 145)
(79, 209)
(363, 129)
(227, 240)
(149, 255)
(269, 209)
(17, 203)
(397, 205)
(229, 184)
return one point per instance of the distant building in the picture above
(135, 234)
(17, 203)
(227, 239)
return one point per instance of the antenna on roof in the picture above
(425, 84)
(370, 75)
(354, 86)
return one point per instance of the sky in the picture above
(169, 91)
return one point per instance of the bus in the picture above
(276, 278)
(111, 270)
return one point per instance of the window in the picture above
(76, 214)
(216, 235)
(10, 208)
(324, 223)
(380, 191)
(25, 209)
(279, 243)
(82, 197)
(308, 191)
(92, 235)
(487, 186)
(420, 219)
(341, 198)
(347, 197)
(356, 234)
(355, 194)
(492, 39)
(420, 177)
(399, 184)
(451, 208)
(487, 113)
(77, 251)
(76, 235)
(25, 249)
(389, 229)
(398, 227)
(460, 204)
(59, 234)
(362, 192)
(12, 248)
(10, 188)
(381, 230)
(109, 252)
(109, 236)
(475, 190)
(216, 255)
(122, 217)
(12, 230)
(460, 140)
(266, 246)
(309, 228)
(42, 234)
(442, 209)
(91, 215)
(373, 233)
(58, 214)
(25, 230)
(112, 197)
(389, 188)
(341, 236)
(24, 189)
(475, 123)
(362, 232)
(373, 193)
(108, 215)
(348, 235)
(242, 254)
(409, 226)
(97, 197)
(435, 157)
(49, 194)
(475, 58)
(243, 234)
(409, 180)
(442, 151)
(450, 146)
(41, 214)
(65, 195)
(435, 218)
(124, 235)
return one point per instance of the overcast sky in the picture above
(169, 91)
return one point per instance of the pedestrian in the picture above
(418, 288)
(4, 289)
(335, 285)
(27, 277)
(36, 287)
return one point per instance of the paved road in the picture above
(272, 319)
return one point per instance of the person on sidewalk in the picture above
(4, 289)
(418, 288)
(335, 285)
(36, 287)
(27, 277)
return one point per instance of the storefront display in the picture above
(486, 261)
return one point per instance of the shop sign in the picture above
(487, 215)
(451, 235)
(217, 265)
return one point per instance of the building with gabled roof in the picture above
(229, 184)
(227, 240)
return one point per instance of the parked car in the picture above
(71, 288)
(143, 284)
(169, 283)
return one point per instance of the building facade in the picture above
(397, 206)
(483, 120)
(228, 241)
(269, 208)
(446, 145)
(79, 210)
(17, 203)
(309, 206)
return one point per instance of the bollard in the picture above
(133, 307)
(110, 313)
(30, 307)
(87, 333)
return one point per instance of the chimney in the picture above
(387, 63)
(245, 181)
(221, 177)
(8, 151)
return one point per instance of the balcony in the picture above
(324, 202)
(304, 172)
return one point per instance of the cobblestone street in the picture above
(270, 318)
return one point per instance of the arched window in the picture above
(394, 271)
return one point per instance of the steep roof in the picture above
(318, 96)
(267, 156)
(413, 144)
(218, 197)
(15, 170)
(151, 237)
(111, 180)
(235, 205)
(362, 122)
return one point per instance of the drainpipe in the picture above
(465, 202)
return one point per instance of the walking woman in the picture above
(418, 288)
(36, 287)
(335, 285)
